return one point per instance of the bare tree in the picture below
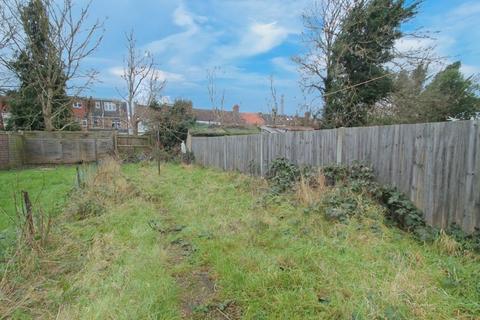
(153, 98)
(322, 23)
(138, 67)
(274, 100)
(156, 85)
(69, 40)
(217, 99)
(6, 33)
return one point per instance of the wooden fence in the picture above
(40, 147)
(437, 164)
(11, 150)
(133, 143)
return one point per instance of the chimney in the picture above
(236, 108)
(307, 115)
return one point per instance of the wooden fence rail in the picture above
(436, 164)
(40, 147)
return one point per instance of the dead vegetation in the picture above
(45, 250)
(99, 187)
(309, 190)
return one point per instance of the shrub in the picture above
(340, 206)
(282, 175)
(400, 212)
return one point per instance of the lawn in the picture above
(48, 187)
(196, 243)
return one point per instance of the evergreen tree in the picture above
(450, 95)
(26, 107)
(171, 122)
(362, 49)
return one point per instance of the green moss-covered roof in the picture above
(214, 131)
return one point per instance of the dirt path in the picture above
(200, 294)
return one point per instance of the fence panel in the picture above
(66, 147)
(132, 143)
(436, 164)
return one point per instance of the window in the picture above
(98, 104)
(96, 123)
(84, 123)
(77, 105)
(116, 124)
(110, 106)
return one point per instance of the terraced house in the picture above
(100, 114)
(90, 113)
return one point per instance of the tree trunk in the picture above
(47, 111)
(134, 125)
(129, 115)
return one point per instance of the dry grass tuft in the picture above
(447, 244)
(109, 181)
(30, 271)
(101, 186)
(309, 191)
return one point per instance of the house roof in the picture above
(284, 128)
(252, 118)
(204, 115)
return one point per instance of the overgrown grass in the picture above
(198, 243)
(48, 188)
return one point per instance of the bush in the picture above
(282, 175)
(340, 206)
(401, 211)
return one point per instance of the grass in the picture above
(202, 244)
(48, 188)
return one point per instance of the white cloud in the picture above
(258, 38)
(263, 37)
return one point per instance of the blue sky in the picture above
(249, 40)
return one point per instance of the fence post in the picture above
(96, 150)
(115, 142)
(340, 136)
(468, 220)
(261, 154)
(225, 153)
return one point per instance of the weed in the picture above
(99, 186)
(310, 189)
(282, 175)
(401, 211)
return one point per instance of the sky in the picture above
(247, 41)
